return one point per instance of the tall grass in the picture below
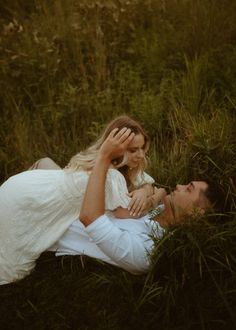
(67, 68)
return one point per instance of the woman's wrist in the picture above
(148, 188)
(103, 159)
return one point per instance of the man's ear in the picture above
(198, 211)
(201, 210)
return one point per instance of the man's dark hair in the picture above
(217, 197)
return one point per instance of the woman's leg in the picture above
(45, 164)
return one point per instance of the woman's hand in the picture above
(138, 202)
(116, 144)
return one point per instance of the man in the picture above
(125, 243)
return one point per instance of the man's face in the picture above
(186, 198)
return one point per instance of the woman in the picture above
(131, 166)
(38, 206)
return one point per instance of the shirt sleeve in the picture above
(116, 191)
(143, 178)
(127, 249)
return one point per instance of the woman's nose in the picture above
(141, 153)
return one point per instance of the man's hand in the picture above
(116, 144)
(157, 197)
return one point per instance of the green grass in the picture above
(66, 69)
(190, 286)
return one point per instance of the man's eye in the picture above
(132, 151)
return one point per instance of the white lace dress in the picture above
(37, 207)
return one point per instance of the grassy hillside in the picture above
(66, 69)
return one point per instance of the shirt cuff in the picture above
(99, 228)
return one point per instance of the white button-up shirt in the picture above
(125, 243)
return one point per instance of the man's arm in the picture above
(93, 205)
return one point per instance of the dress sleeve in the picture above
(143, 178)
(116, 191)
(128, 250)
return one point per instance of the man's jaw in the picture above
(169, 213)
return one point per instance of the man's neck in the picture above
(166, 218)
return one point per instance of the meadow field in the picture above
(67, 67)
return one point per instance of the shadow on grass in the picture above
(191, 286)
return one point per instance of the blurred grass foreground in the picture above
(69, 66)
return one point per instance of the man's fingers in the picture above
(160, 193)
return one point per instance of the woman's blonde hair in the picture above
(85, 160)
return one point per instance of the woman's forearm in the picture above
(94, 200)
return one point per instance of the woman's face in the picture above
(136, 151)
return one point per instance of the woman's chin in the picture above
(133, 165)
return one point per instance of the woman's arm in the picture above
(93, 204)
(140, 199)
(124, 213)
(151, 202)
(140, 195)
(128, 250)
